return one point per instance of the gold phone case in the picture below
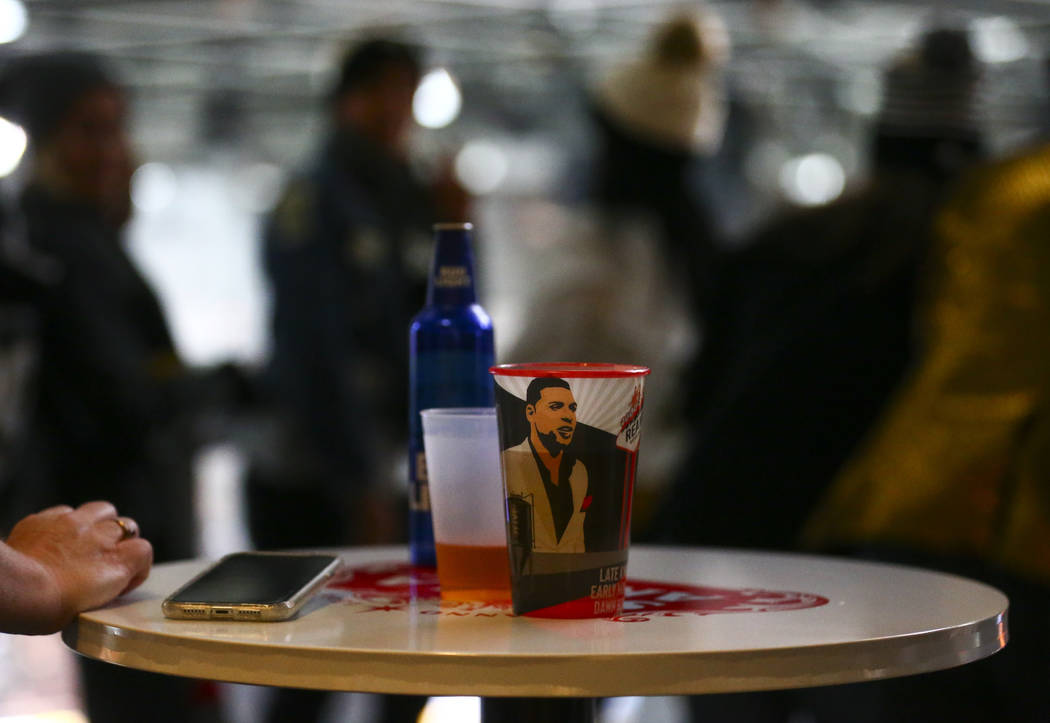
(269, 612)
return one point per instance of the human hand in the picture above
(75, 560)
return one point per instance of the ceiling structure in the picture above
(221, 86)
(248, 73)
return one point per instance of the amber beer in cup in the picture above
(473, 572)
(466, 498)
(569, 437)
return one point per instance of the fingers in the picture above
(55, 511)
(138, 556)
(103, 514)
(118, 529)
(97, 510)
(100, 514)
(135, 553)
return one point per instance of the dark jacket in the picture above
(111, 395)
(810, 332)
(346, 252)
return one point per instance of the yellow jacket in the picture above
(959, 464)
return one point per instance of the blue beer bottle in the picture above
(450, 347)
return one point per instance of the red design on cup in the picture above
(395, 586)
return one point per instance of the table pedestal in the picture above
(538, 710)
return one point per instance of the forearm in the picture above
(30, 600)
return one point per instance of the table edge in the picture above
(431, 673)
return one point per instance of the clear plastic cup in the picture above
(466, 499)
(569, 437)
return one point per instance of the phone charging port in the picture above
(220, 611)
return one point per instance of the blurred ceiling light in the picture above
(813, 179)
(153, 187)
(481, 166)
(999, 40)
(13, 20)
(437, 100)
(451, 710)
(12, 146)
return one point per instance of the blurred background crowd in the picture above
(823, 224)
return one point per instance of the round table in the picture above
(695, 621)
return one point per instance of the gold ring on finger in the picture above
(128, 528)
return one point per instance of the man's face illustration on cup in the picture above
(553, 417)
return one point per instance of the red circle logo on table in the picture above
(400, 586)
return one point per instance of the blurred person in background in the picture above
(955, 474)
(347, 251)
(25, 277)
(112, 409)
(61, 561)
(813, 330)
(658, 117)
(624, 275)
(812, 320)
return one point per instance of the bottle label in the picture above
(452, 277)
(419, 499)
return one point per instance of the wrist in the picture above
(33, 599)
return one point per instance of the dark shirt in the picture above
(559, 495)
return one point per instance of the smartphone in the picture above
(259, 586)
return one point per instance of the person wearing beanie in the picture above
(108, 417)
(657, 117)
(929, 119)
(623, 272)
(671, 96)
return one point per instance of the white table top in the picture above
(696, 621)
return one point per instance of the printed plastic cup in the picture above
(466, 500)
(569, 436)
